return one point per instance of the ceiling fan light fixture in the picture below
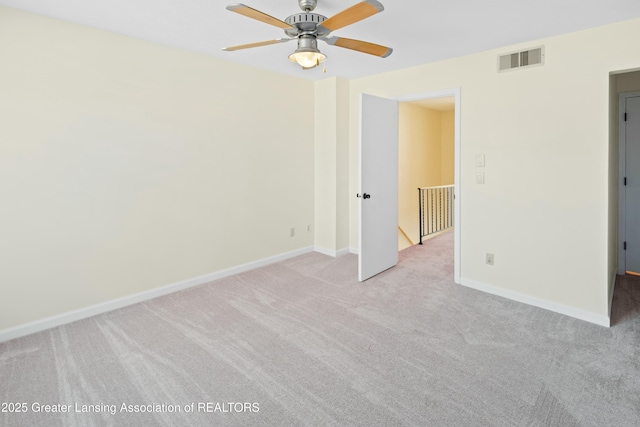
(307, 54)
(307, 59)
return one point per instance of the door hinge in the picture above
(625, 180)
(625, 117)
(625, 246)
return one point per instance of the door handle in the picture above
(364, 196)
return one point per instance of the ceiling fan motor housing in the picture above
(306, 23)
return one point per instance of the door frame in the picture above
(622, 172)
(457, 230)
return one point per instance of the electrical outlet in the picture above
(293, 232)
(489, 259)
(309, 228)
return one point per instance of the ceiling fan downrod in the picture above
(308, 5)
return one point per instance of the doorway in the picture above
(368, 120)
(629, 193)
(426, 150)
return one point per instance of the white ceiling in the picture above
(419, 31)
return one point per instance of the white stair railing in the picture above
(436, 209)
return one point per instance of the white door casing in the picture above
(378, 195)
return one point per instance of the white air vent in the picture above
(522, 59)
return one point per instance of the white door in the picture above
(632, 188)
(378, 186)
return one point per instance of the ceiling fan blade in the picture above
(256, 14)
(353, 14)
(360, 46)
(258, 44)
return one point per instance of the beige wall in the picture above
(325, 164)
(126, 166)
(544, 209)
(425, 159)
(331, 165)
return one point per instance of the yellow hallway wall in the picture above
(447, 147)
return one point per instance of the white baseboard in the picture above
(540, 303)
(343, 251)
(83, 313)
(355, 251)
(331, 252)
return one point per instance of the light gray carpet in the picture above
(309, 345)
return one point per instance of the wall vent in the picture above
(522, 59)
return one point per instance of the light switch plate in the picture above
(479, 160)
(479, 177)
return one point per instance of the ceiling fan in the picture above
(307, 28)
